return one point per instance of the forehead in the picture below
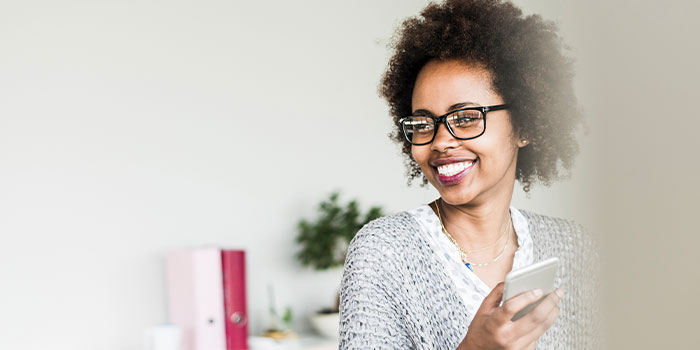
(441, 84)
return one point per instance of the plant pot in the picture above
(327, 324)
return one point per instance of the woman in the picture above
(431, 277)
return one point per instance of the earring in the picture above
(524, 141)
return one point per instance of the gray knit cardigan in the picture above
(395, 294)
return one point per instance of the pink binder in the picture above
(195, 297)
(233, 265)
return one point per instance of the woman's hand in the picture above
(492, 327)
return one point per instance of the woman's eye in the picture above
(466, 119)
(421, 125)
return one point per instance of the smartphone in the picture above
(538, 275)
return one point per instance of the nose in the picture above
(443, 139)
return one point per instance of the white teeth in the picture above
(453, 168)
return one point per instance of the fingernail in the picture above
(537, 292)
(560, 292)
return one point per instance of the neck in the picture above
(482, 220)
(475, 226)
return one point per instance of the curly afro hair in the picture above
(529, 69)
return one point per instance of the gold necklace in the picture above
(462, 252)
(467, 252)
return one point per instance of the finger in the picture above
(539, 313)
(532, 327)
(551, 318)
(525, 344)
(532, 336)
(493, 300)
(517, 303)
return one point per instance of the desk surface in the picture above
(303, 342)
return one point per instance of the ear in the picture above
(522, 142)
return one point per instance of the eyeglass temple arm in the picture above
(495, 108)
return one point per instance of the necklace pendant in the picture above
(469, 266)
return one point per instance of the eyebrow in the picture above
(452, 108)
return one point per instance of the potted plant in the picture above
(324, 245)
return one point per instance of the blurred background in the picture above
(130, 128)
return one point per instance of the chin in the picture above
(458, 194)
(457, 198)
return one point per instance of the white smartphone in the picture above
(538, 275)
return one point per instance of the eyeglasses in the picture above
(464, 124)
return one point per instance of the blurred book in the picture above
(203, 284)
(233, 267)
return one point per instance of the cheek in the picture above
(495, 153)
(501, 143)
(421, 155)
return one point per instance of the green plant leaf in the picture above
(324, 241)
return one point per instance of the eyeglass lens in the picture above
(463, 124)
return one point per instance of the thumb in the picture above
(493, 300)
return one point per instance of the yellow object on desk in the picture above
(303, 342)
(280, 334)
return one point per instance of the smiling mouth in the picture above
(453, 169)
(452, 173)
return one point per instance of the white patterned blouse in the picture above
(470, 287)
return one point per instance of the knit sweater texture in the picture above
(395, 294)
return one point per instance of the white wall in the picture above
(128, 128)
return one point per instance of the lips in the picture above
(450, 171)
